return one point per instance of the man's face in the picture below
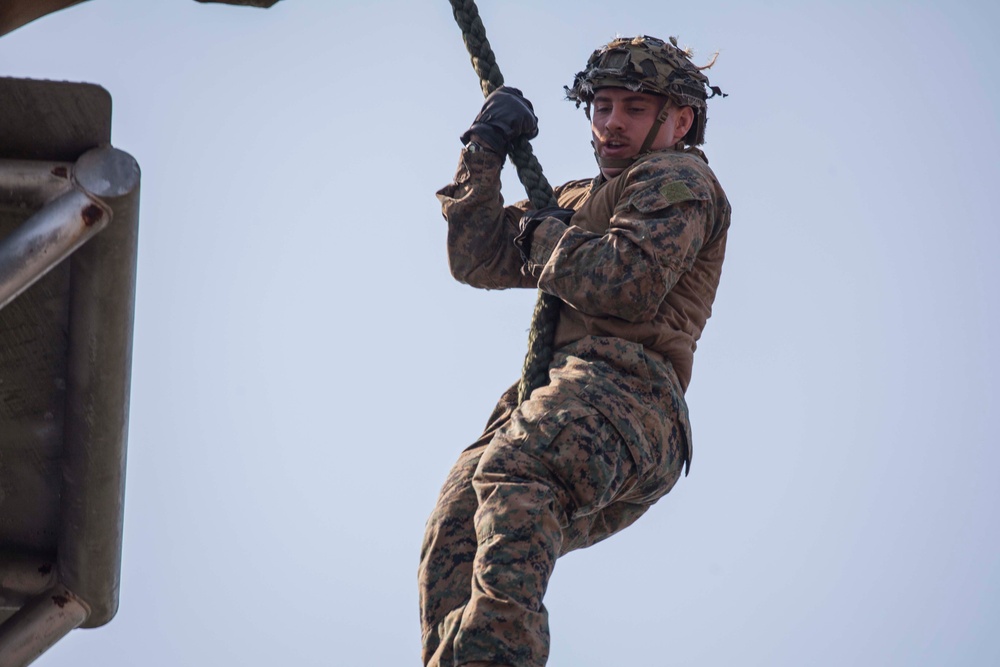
(620, 121)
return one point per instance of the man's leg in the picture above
(444, 577)
(445, 574)
(554, 461)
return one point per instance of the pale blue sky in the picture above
(306, 370)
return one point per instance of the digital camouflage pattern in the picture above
(649, 65)
(641, 260)
(548, 477)
(586, 455)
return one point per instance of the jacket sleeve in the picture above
(659, 224)
(481, 230)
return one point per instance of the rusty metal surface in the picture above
(57, 122)
(102, 300)
(39, 624)
(46, 238)
(23, 576)
(77, 470)
(30, 184)
(65, 361)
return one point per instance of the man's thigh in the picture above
(565, 443)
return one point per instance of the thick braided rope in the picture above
(541, 337)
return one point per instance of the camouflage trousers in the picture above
(546, 478)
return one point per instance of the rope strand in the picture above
(541, 337)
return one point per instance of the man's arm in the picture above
(661, 222)
(481, 229)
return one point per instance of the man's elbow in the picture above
(472, 275)
(463, 272)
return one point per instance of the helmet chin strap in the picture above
(625, 162)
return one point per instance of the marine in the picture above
(635, 256)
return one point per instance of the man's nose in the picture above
(616, 119)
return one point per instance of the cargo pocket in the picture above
(570, 443)
(538, 421)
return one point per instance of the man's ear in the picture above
(683, 123)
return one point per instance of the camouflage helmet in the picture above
(649, 65)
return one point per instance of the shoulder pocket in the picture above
(659, 197)
(677, 191)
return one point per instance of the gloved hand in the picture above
(505, 116)
(530, 221)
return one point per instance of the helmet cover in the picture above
(648, 65)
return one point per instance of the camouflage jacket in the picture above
(637, 270)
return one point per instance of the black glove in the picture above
(530, 221)
(505, 116)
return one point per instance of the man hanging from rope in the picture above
(635, 256)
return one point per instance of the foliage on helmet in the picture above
(648, 65)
